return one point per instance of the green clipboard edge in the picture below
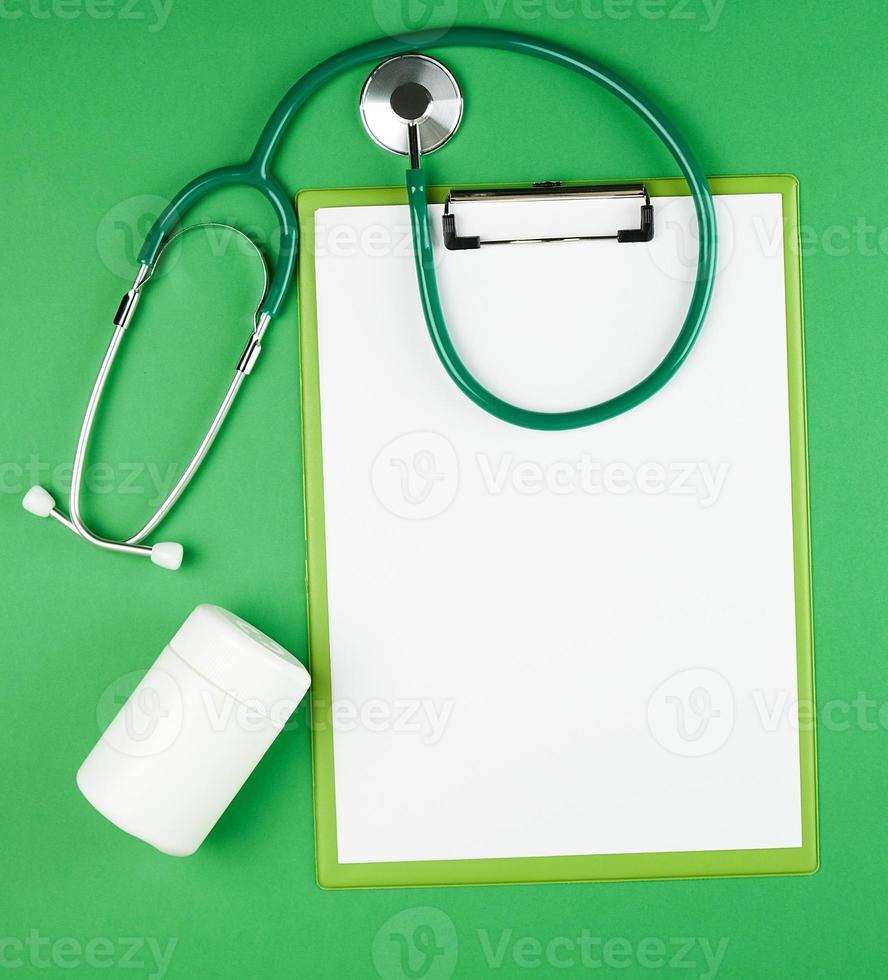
(585, 868)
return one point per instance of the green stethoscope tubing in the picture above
(256, 173)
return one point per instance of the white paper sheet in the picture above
(558, 643)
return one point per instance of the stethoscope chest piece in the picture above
(411, 88)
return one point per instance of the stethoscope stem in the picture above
(413, 145)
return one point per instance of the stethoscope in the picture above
(410, 105)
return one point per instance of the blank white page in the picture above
(558, 643)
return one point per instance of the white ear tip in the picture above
(167, 554)
(38, 501)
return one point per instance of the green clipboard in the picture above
(605, 867)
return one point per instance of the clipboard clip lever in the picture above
(548, 190)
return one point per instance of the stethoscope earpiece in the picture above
(41, 503)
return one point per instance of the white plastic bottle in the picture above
(192, 731)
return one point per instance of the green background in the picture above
(107, 109)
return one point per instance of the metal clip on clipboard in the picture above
(547, 190)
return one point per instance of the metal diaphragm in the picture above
(411, 88)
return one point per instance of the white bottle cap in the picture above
(242, 661)
(193, 730)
